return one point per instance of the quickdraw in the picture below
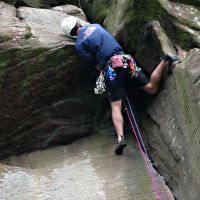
(125, 61)
(100, 84)
(130, 62)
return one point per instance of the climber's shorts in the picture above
(114, 89)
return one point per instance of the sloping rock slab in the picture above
(172, 128)
(46, 90)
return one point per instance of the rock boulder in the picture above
(46, 91)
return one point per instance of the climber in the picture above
(99, 47)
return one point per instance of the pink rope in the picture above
(150, 173)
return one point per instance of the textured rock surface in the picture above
(172, 128)
(128, 20)
(41, 3)
(43, 101)
(190, 2)
(78, 172)
(147, 29)
(45, 98)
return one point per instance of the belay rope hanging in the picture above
(140, 142)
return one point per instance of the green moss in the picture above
(12, 2)
(4, 37)
(188, 98)
(33, 3)
(28, 35)
(3, 65)
(28, 53)
(99, 11)
(10, 57)
(137, 16)
(186, 94)
(184, 38)
(52, 58)
(155, 10)
(189, 2)
(150, 10)
(7, 57)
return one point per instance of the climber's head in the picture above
(70, 26)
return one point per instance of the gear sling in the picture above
(124, 62)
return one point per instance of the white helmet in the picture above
(68, 24)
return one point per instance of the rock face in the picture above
(41, 3)
(45, 96)
(171, 128)
(46, 90)
(190, 2)
(170, 125)
(127, 20)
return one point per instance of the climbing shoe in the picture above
(171, 59)
(120, 147)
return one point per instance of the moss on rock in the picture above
(96, 11)
(33, 3)
(7, 58)
(54, 58)
(187, 80)
(29, 33)
(12, 2)
(189, 2)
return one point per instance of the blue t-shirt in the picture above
(95, 44)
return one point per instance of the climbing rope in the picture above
(140, 142)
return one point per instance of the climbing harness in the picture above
(140, 142)
(123, 61)
(127, 64)
(100, 84)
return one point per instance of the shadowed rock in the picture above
(45, 96)
(128, 19)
